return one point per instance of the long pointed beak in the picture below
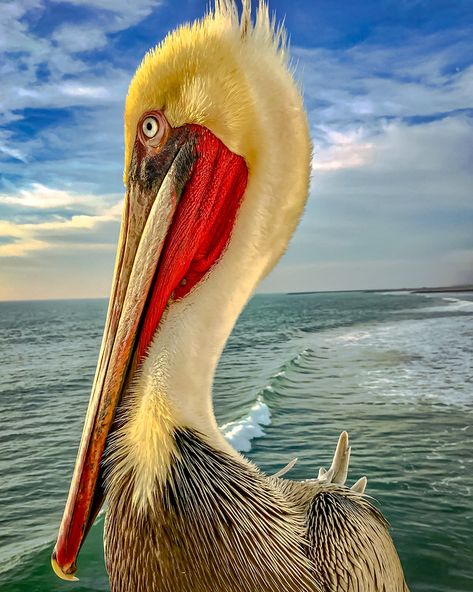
(146, 219)
(179, 210)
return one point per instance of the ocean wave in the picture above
(28, 556)
(241, 432)
(300, 363)
(11, 561)
(453, 305)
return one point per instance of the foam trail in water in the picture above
(241, 432)
(452, 305)
(459, 304)
(352, 336)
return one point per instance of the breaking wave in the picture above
(241, 432)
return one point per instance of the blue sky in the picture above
(389, 89)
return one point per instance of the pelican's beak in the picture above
(180, 204)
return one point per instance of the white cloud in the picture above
(19, 238)
(10, 151)
(410, 167)
(45, 198)
(77, 38)
(22, 52)
(127, 13)
(80, 90)
(344, 151)
(369, 80)
(14, 35)
(403, 217)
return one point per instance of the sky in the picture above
(388, 85)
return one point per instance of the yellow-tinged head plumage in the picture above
(199, 74)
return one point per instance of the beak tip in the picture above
(59, 571)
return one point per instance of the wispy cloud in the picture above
(342, 151)
(423, 76)
(7, 149)
(79, 231)
(55, 70)
(45, 198)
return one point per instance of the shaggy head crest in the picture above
(198, 74)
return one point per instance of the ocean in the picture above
(393, 369)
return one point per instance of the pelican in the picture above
(217, 160)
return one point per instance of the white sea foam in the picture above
(452, 305)
(352, 336)
(459, 304)
(419, 359)
(241, 432)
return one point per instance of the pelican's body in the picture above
(216, 169)
(219, 525)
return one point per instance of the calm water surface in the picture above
(394, 369)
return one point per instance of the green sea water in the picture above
(393, 369)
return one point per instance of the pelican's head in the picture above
(217, 156)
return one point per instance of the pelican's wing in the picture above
(349, 541)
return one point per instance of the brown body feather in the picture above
(349, 543)
(220, 525)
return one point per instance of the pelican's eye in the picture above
(154, 129)
(150, 127)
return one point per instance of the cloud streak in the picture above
(79, 231)
(344, 151)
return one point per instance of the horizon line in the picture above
(420, 289)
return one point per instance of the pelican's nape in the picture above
(217, 160)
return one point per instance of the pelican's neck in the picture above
(178, 373)
(173, 389)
